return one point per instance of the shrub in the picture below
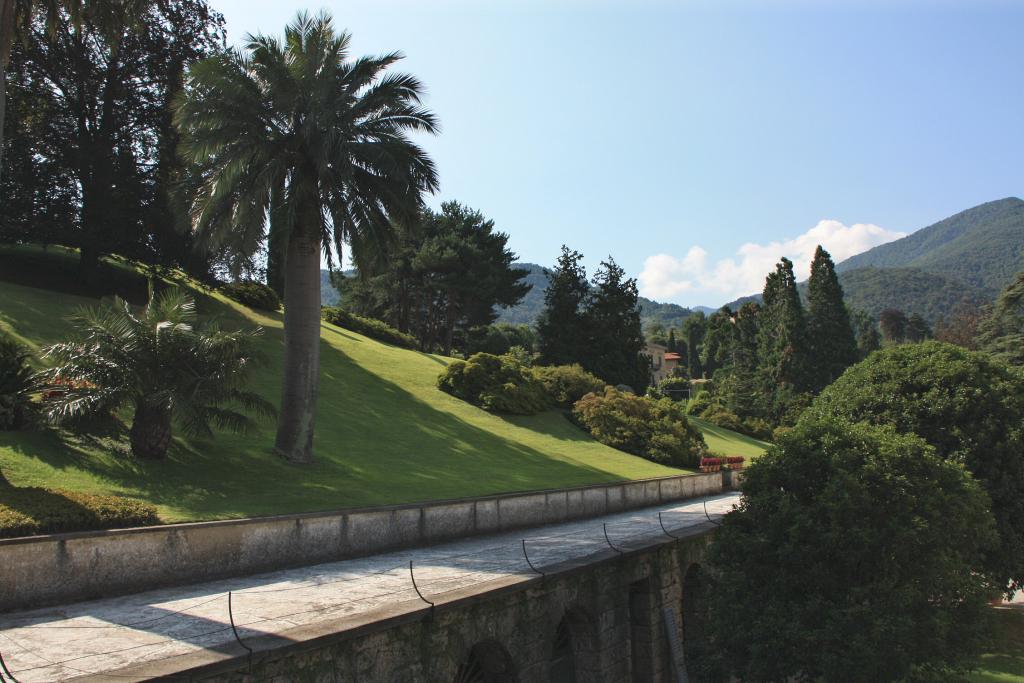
(566, 384)
(653, 429)
(723, 417)
(757, 428)
(495, 383)
(29, 511)
(780, 433)
(370, 327)
(847, 531)
(16, 383)
(965, 404)
(675, 388)
(252, 294)
(700, 402)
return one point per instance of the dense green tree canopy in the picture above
(833, 347)
(560, 326)
(614, 339)
(92, 158)
(967, 406)
(1001, 332)
(851, 558)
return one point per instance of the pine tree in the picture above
(560, 327)
(615, 340)
(832, 345)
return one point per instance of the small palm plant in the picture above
(161, 363)
(16, 384)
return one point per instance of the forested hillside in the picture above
(983, 247)
(969, 257)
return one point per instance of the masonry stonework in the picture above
(602, 621)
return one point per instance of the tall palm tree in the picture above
(333, 132)
(162, 363)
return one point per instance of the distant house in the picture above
(663, 362)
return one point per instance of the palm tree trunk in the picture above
(301, 336)
(150, 434)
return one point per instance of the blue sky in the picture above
(696, 142)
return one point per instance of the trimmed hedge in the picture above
(566, 384)
(252, 294)
(653, 429)
(495, 383)
(29, 511)
(371, 327)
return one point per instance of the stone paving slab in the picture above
(88, 638)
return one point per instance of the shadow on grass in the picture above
(55, 268)
(376, 443)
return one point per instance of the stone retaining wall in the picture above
(60, 568)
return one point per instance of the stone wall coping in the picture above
(336, 512)
(233, 658)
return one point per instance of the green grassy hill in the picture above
(385, 433)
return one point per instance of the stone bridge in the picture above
(610, 598)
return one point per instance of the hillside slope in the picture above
(911, 290)
(385, 434)
(983, 247)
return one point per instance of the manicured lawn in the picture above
(1005, 660)
(725, 442)
(385, 434)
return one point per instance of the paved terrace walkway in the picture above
(101, 636)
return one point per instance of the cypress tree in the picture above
(832, 345)
(694, 328)
(672, 348)
(560, 326)
(782, 334)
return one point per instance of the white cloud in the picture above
(666, 277)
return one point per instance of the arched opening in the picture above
(573, 651)
(488, 662)
(695, 615)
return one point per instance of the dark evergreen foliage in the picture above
(441, 280)
(822, 574)
(833, 347)
(782, 333)
(561, 328)
(611, 320)
(1001, 332)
